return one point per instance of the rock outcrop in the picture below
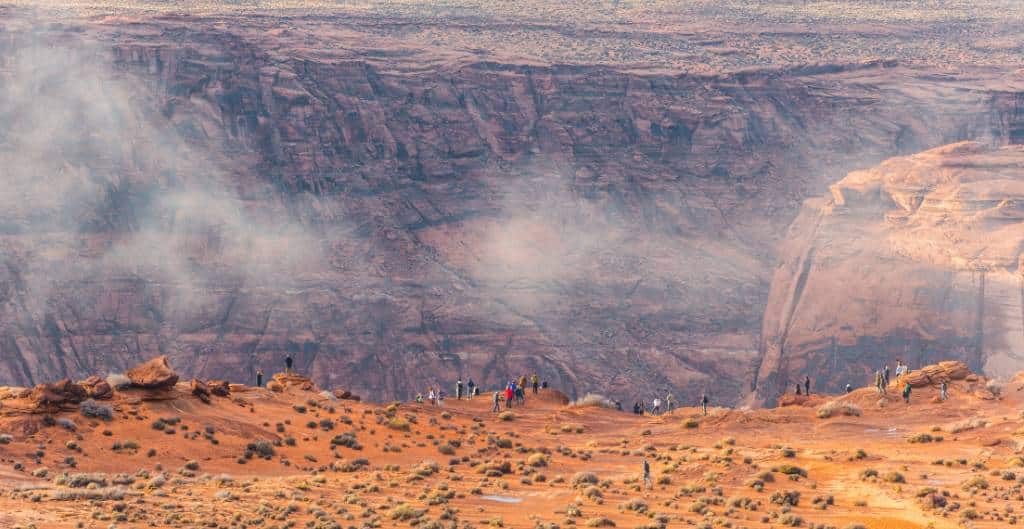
(97, 388)
(154, 374)
(918, 259)
(49, 398)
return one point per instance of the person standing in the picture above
(431, 396)
(669, 403)
(458, 389)
(797, 389)
(885, 376)
(807, 385)
(288, 364)
(535, 380)
(509, 395)
(849, 388)
(944, 390)
(472, 387)
(497, 400)
(647, 475)
(656, 406)
(704, 403)
(259, 378)
(906, 392)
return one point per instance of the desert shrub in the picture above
(446, 449)
(400, 424)
(67, 424)
(636, 505)
(868, 473)
(600, 522)
(262, 448)
(788, 497)
(404, 512)
(6, 439)
(118, 381)
(838, 407)
(93, 409)
(584, 478)
(426, 468)
(111, 494)
(791, 470)
(977, 482)
(506, 416)
(893, 477)
(593, 400)
(77, 481)
(537, 459)
(348, 440)
(923, 438)
(691, 423)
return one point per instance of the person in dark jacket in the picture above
(288, 364)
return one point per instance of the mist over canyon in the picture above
(397, 197)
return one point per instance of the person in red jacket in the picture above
(509, 395)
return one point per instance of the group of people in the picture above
(515, 392)
(902, 370)
(640, 407)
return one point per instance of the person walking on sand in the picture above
(807, 385)
(670, 405)
(497, 401)
(431, 396)
(259, 378)
(944, 390)
(535, 381)
(288, 364)
(656, 406)
(458, 389)
(647, 475)
(906, 392)
(885, 375)
(704, 403)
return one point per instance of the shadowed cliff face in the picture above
(228, 199)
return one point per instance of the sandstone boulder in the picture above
(154, 374)
(56, 396)
(291, 380)
(97, 388)
(933, 375)
(199, 390)
(220, 388)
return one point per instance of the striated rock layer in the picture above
(227, 190)
(916, 259)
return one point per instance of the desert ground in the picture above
(296, 456)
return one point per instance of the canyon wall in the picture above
(229, 197)
(916, 260)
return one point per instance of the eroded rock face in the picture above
(154, 374)
(917, 259)
(255, 194)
